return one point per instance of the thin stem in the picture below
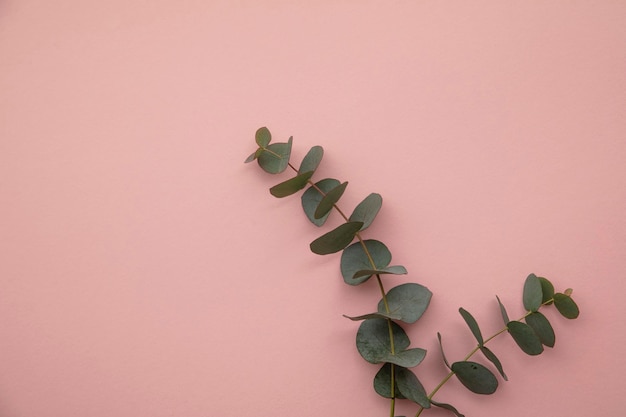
(471, 353)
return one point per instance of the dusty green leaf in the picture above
(311, 160)
(291, 186)
(250, 158)
(393, 270)
(493, 359)
(263, 137)
(367, 210)
(525, 337)
(311, 199)
(566, 306)
(410, 387)
(355, 259)
(382, 382)
(329, 200)
(275, 158)
(447, 407)
(336, 239)
(409, 301)
(547, 290)
(443, 354)
(472, 324)
(542, 327)
(505, 316)
(374, 344)
(373, 316)
(533, 293)
(476, 377)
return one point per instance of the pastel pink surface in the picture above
(146, 271)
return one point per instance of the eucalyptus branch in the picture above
(380, 339)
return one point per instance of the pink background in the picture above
(146, 271)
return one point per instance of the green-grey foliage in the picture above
(380, 339)
(475, 377)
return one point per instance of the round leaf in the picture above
(408, 301)
(263, 137)
(373, 342)
(566, 306)
(275, 158)
(540, 324)
(354, 259)
(533, 293)
(336, 239)
(367, 210)
(525, 337)
(311, 160)
(475, 377)
(311, 199)
(382, 382)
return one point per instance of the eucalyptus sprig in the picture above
(380, 338)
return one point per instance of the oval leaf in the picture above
(263, 137)
(382, 382)
(566, 306)
(472, 324)
(493, 359)
(547, 289)
(311, 160)
(275, 158)
(533, 294)
(525, 337)
(409, 301)
(291, 186)
(393, 270)
(410, 387)
(311, 199)
(329, 200)
(373, 342)
(475, 377)
(355, 259)
(336, 239)
(367, 210)
(542, 327)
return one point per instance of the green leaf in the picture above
(540, 324)
(547, 290)
(393, 270)
(566, 306)
(291, 186)
(410, 387)
(373, 316)
(447, 407)
(493, 359)
(505, 316)
(367, 210)
(336, 239)
(475, 377)
(311, 199)
(443, 355)
(409, 301)
(250, 158)
(472, 324)
(263, 137)
(275, 158)
(374, 344)
(533, 293)
(329, 200)
(382, 382)
(311, 160)
(354, 259)
(525, 337)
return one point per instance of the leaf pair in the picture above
(373, 341)
(406, 383)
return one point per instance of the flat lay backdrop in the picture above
(146, 271)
